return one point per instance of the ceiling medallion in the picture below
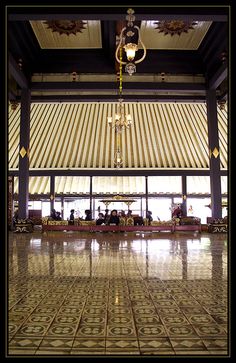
(66, 26)
(174, 26)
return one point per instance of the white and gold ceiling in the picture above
(66, 34)
(77, 136)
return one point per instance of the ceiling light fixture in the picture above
(121, 121)
(129, 39)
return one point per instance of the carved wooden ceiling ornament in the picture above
(66, 26)
(174, 26)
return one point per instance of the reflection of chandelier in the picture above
(174, 26)
(121, 121)
(129, 39)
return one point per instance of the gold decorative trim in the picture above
(215, 152)
(23, 152)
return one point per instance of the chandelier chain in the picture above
(120, 88)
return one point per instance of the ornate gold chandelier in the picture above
(121, 121)
(129, 39)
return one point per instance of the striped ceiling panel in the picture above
(71, 135)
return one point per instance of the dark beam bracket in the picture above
(16, 73)
(219, 76)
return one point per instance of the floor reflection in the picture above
(117, 293)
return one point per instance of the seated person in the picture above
(53, 214)
(58, 216)
(177, 212)
(129, 213)
(107, 216)
(72, 217)
(122, 214)
(149, 216)
(88, 215)
(100, 220)
(114, 218)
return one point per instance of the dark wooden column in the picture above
(62, 207)
(146, 192)
(214, 154)
(10, 201)
(24, 154)
(184, 195)
(91, 193)
(52, 191)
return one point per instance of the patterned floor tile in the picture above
(151, 331)
(147, 311)
(193, 310)
(120, 331)
(120, 320)
(33, 329)
(168, 311)
(67, 319)
(39, 318)
(216, 343)
(86, 330)
(62, 330)
(187, 344)
(94, 311)
(180, 331)
(156, 345)
(22, 309)
(119, 305)
(166, 304)
(201, 319)
(92, 320)
(211, 330)
(64, 310)
(119, 310)
(122, 346)
(24, 345)
(123, 342)
(217, 309)
(147, 320)
(17, 318)
(50, 345)
(174, 319)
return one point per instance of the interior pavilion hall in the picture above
(125, 109)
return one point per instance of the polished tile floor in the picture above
(92, 294)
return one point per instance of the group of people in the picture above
(56, 216)
(113, 218)
(109, 219)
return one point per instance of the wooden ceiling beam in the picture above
(108, 86)
(208, 13)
